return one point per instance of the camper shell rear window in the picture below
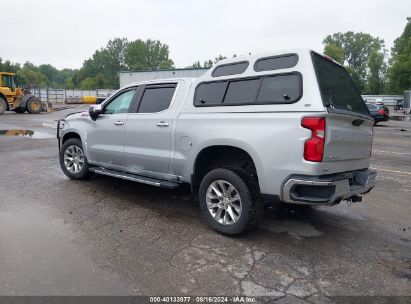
(338, 91)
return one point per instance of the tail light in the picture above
(314, 146)
(381, 111)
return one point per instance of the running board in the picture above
(136, 178)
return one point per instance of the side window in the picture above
(242, 91)
(156, 99)
(276, 62)
(280, 89)
(6, 81)
(210, 93)
(120, 103)
(230, 69)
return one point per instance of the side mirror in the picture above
(94, 111)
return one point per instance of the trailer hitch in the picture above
(354, 199)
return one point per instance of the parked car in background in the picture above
(379, 101)
(399, 105)
(101, 97)
(378, 112)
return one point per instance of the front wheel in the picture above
(73, 161)
(229, 201)
(3, 105)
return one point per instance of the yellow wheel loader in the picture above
(16, 99)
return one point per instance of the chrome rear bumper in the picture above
(327, 189)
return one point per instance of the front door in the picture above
(105, 139)
(148, 131)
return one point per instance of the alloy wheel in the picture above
(74, 159)
(224, 202)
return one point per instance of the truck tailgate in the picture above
(347, 138)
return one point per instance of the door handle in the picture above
(118, 123)
(162, 124)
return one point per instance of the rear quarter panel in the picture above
(275, 142)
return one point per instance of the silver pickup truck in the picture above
(285, 127)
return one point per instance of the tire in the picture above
(34, 105)
(74, 148)
(237, 216)
(20, 110)
(3, 105)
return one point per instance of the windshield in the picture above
(337, 89)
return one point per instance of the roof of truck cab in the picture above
(163, 80)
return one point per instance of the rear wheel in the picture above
(34, 105)
(229, 201)
(3, 105)
(73, 161)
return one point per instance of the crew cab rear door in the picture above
(148, 133)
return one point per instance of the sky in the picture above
(65, 33)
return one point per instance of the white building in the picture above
(127, 77)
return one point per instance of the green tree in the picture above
(120, 54)
(208, 63)
(88, 84)
(195, 65)
(357, 49)
(157, 55)
(377, 73)
(107, 61)
(31, 77)
(50, 72)
(116, 52)
(400, 71)
(219, 58)
(147, 55)
(334, 52)
(135, 58)
(8, 66)
(69, 84)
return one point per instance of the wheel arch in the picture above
(228, 155)
(70, 135)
